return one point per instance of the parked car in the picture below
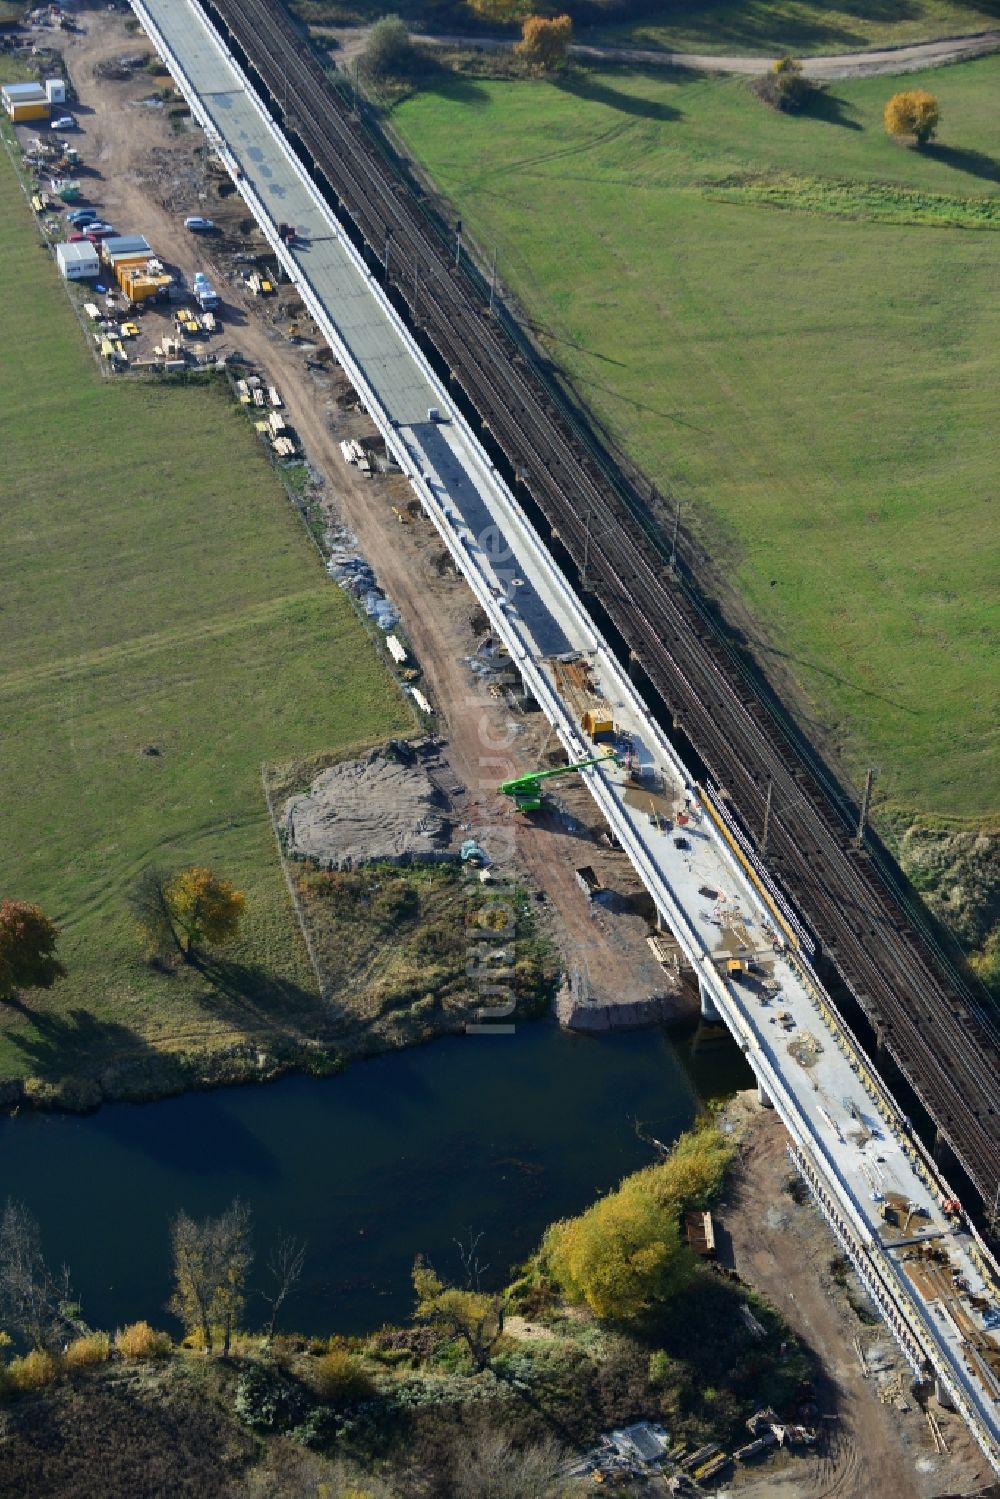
(75, 239)
(82, 216)
(198, 224)
(64, 122)
(97, 230)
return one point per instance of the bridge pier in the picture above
(943, 1395)
(708, 1010)
(763, 1097)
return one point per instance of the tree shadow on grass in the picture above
(809, 26)
(829, 110)
(703, 1330)
(243, 993)
(587, 86)
(73, 1043)
(975, 163)
(460, 87)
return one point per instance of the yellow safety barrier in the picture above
(761, 889)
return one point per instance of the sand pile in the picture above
(370, 810)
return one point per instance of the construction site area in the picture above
(165, 299)
(177, 280)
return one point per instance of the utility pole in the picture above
(416, 270)
(388, 237)
(586, 552)
(493, 280)
(767, 816)
(865, 804)
(458, 242)
(673, 540)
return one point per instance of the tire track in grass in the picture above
(127, 652)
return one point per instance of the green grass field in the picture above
(156, 589)
(816, 384)
(802, 26)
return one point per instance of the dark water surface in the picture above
(400, 1155)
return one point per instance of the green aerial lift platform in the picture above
(527, 790)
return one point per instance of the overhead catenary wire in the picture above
(943, 1036)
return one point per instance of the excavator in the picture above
(527, 790)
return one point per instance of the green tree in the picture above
(912, 113)
(785, 86)
(202, 907)
(625, 1254)
(473, 1316)
(692, 1174)
(389, 51)
(27, 949)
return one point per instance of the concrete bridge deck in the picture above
(849, 1138)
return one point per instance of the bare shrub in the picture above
(492, 1466)
(785, 87)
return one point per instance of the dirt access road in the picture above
(150, 179)
(845, 65)
(877, 62)
(784, 1249)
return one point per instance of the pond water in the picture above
(400, 1155)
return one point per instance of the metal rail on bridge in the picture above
(812, 1154)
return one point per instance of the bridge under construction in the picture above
(928, 1271)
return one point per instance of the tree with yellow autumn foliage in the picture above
(625, 1254)
(212, 1259)
(545, 42)
(912, 113)
(473, 1316)
(202, 907)
(621, 1257)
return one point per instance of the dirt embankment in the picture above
(958, 875)
(875, 1437)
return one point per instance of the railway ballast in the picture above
(944, 1039)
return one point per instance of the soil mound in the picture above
(381, 808)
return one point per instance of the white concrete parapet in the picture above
(837, 1173)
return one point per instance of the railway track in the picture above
(944, 1040)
